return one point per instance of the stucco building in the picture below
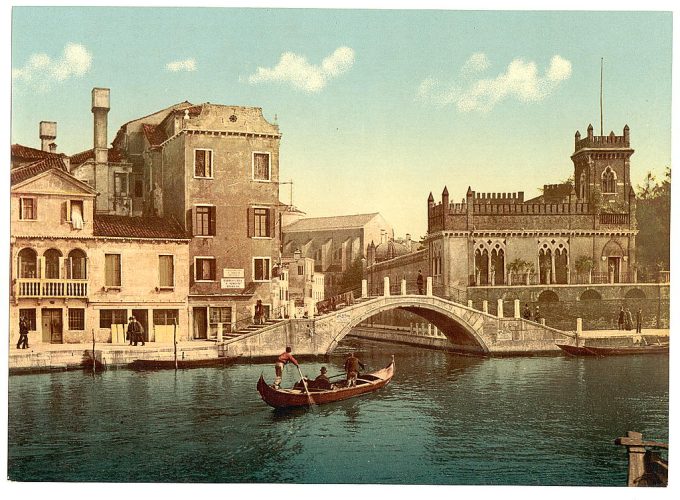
(76, 274)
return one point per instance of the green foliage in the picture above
(584, 264)
(653, 216)
(596, 199)
(519, 266)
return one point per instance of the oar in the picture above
(304, 383)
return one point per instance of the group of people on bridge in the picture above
(322, 381)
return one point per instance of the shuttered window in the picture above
(205, 269)
(203, 163)
(112, 269)
(261, 268)
(27, 209)
(166, 271)
(204, 220)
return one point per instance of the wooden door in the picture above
(200, 323)
(52, 326)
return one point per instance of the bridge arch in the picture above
(461, 325)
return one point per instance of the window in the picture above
(108, 317)
(74, 213)
(120, 184)
(205, 269)
(139, 187)
(166, 271)
(28, 263)
(204, 220)
(76, 319)
(608, 181)
(301, 270)
(261, 267)
(261, 164)
(112, 270)
(76, 265)
(27, 209)
(220, 315)
(203, 163)
(261, 218)
(52, 259)
(30, 315)
(165, 317)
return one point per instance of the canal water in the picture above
(444, 419)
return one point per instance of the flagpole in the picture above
(601, 83)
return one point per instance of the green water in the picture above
(444, 419)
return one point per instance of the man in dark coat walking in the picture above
(23, 333)
(419, 282)
(638, 321)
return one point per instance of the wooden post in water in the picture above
(94, 360)
(174, 340)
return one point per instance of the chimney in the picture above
(48, 133)
(100, 110)
(53, 147)
(408, 242)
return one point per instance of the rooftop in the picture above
(83, 156)
(26, 153)
(335, 222)
(122, 226)
(20, 174)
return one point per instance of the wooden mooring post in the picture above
(644, 467)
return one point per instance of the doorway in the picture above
(613, 267)
(52, 326)
(200, 322)
(142, 315)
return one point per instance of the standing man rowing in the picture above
(283, 359)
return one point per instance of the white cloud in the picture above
(185, 65)
(297, 71)
(521, 81)
(475, 63)
(41, 71)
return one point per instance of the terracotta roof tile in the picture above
(154, 134)
(123, 226)
(83, 156)
(25, 172)
(26, 153)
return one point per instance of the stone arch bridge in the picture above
(469, 330)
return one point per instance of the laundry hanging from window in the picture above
(76, 215)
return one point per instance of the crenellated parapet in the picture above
(602, 141)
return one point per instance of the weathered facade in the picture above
(335, 242)
(215, 168)
(77, 275)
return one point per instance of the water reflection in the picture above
(443, 419)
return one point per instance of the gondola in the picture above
(290, 398)
(164, 364)
(614, 351)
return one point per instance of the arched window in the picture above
(608, 181)
(548, 296)
(77, 265)
(590, 295)
(52, 264)
(498, 265)
(28, 263)
(582, 185)
(545, 265)
(561, 264)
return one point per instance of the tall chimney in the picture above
(100, 110)
(48, 133)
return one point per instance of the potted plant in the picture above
(584, 265)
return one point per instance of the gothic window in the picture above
(608, 181)
(582, 185)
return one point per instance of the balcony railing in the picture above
(50, 288)
(594, 278)
(621, 219)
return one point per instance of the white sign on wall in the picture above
(233, 273)
(233, 283)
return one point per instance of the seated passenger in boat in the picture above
(322, 382)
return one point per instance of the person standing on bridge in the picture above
(352, 365)
(526, 314)
(283, 359)
(638, 321)
(419, 282)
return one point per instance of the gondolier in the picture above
(283, 359)
(352, 365)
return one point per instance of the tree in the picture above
(653, 216)
(351, 278)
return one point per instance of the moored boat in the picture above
(614, 350)
(160, 364)
(289, 398)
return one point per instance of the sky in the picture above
(377, 108)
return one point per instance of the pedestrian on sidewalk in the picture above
(419, 282)
(526, 314)
(135, 331)
(23, 333)
(629, 319)
(638, 321)
(622, 318)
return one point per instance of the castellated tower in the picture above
(602, 163)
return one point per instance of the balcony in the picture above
(619, 219)
(50, 288)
